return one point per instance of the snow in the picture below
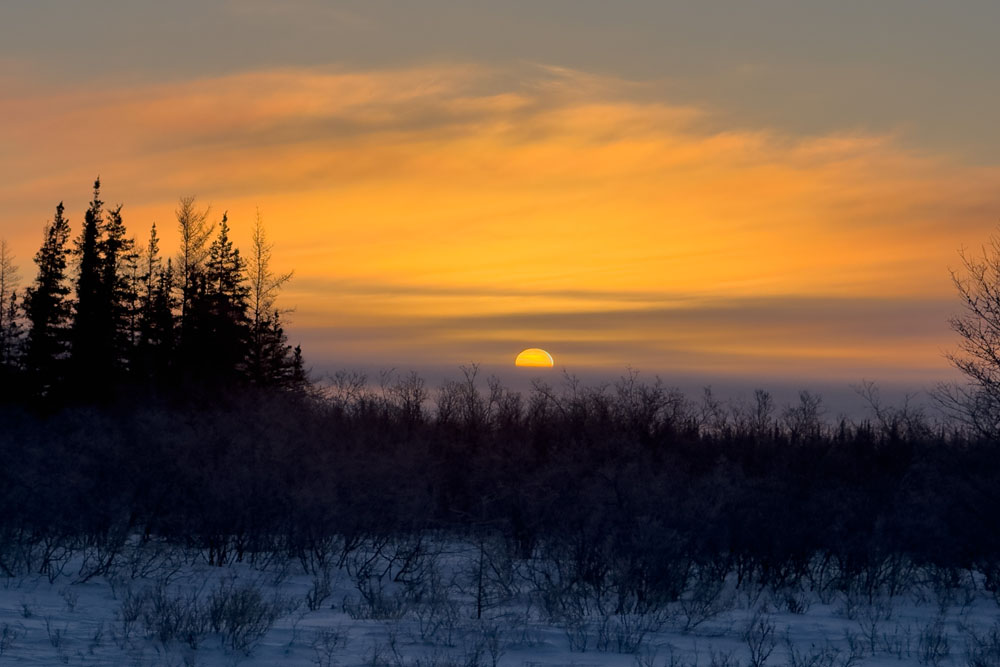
(378, 609)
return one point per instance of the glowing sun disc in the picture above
(534, 357)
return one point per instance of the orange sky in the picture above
(442, 214)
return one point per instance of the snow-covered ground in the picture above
(446, 603)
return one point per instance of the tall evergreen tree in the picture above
(217, 327)
(91, 346)
(48, 309)
(10, 326)
(161, 333)
(118, 289)
(155, 346)
(8, 305)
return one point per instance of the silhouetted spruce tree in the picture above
(155, 344)
(48, 310)
(216, 339)
(118, 291)
(10, 326)
(270, 362)
(92, 347)
(161, 327)
(8, 305)
(299, 380)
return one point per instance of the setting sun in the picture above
(534, 357)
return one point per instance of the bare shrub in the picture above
(320, 590)
(827, 655)
(437, 615)
(389, 575)
(130, 610)
(57, 636)
(869, 614)
(174, 616)
(326, 643)
(791, 600)
(759, 636)
(242, 614)
(70, 597)
(706, 599)
(899, 642)
(626, 632)
(723, 659)
(983, 649)
(8, 637)
(933, 646)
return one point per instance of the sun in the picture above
(534, 357)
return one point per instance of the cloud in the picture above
(449, 210)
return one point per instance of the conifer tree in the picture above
(8, 305)
(48, 309)
(91, 347)
(10, 325)
(161, 327)
(118, 289)
(156, 340)
(216, 335)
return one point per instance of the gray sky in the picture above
(927, 69)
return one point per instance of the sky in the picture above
(734, 191)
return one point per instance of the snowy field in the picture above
(447, 602)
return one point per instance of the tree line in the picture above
(105, 317)
(632, 487)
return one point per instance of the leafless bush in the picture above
(242, 614)
(57, 636)
(898, 642)
(932, 644)
(70, 597)
(148, 558)
(129, 612)
(54, 553)
(97, 638)
(706, 599)
(759, 636)
(869, 615)
(319, 591)
(626, 632)
(791, 599)
(578, 632)
(326, 643)
(173, 615)
(389, 575)
(983, 649)
(437, 615)
(491, 638)
(490, 577)
(951, 587)
(8, 637)
(101, 551)
(827, 655)
(723, 659)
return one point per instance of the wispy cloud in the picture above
(483, 206)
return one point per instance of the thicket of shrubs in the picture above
(635, 492)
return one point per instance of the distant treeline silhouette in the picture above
(126, 321)
(631, 488)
